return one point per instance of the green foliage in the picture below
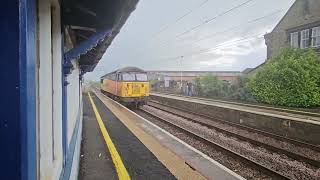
(154, 81)
(290, 79)
(197, 87)
(211, 86)
(239, 90)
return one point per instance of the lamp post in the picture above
(181, 74)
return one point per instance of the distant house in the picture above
(300, 28)
(250, 71)
(247, 70)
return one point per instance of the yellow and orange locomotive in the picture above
(128, 85)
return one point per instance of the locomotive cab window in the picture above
(128, 77)
(142, 77)
(113, 77)
(118, 77)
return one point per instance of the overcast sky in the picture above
(157, 35)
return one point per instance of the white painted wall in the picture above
(73, 100)
(50, 91)
(45, 91)
(57, 87)
(74, 106)
(49, 122)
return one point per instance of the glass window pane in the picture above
(128, 77)
(304, 39)
(142, 77)
(316, 37)
(294, 39)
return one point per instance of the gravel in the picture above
(279, 162)
(234, 164)
(301, 150)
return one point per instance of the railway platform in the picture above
(294, 124)
(98, 158)
(119, 144)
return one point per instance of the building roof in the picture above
(251, 70)
(247, 70)
(93, 25)
(301, 12)
(285, 16)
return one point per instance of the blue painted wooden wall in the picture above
(18, 94)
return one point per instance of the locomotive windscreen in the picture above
(134, 77)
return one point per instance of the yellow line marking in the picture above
(120, 168)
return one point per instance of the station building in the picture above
(47, 46)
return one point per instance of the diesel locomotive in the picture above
(129, 86)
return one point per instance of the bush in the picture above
(290, 79)
(239, 90)
(211, 86)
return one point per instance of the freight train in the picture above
(129, 86)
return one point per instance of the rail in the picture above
(255, 142)
(286, 110)
(234, 154)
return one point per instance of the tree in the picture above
(290, 79)
(197, 86)
(211, 86)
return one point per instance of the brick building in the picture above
(192, 75)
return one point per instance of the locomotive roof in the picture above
(130, 69)
(126, 69)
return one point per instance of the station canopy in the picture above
(93, 24)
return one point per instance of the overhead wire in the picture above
(236, 27)
(180, 18)
(214, 18)
(210, 36)
(221, 45)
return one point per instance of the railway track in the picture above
(278, 174)
(282, 110)
(238, 157)
(186, 115)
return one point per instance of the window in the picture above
(113, 77)
(304, 39)
(294, 39)
(128, 77)
(142, 77)
(316, 37)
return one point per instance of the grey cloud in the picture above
(137, 45)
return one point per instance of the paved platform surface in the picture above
(96, 162)
(182, 160)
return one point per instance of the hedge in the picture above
(290, 79)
